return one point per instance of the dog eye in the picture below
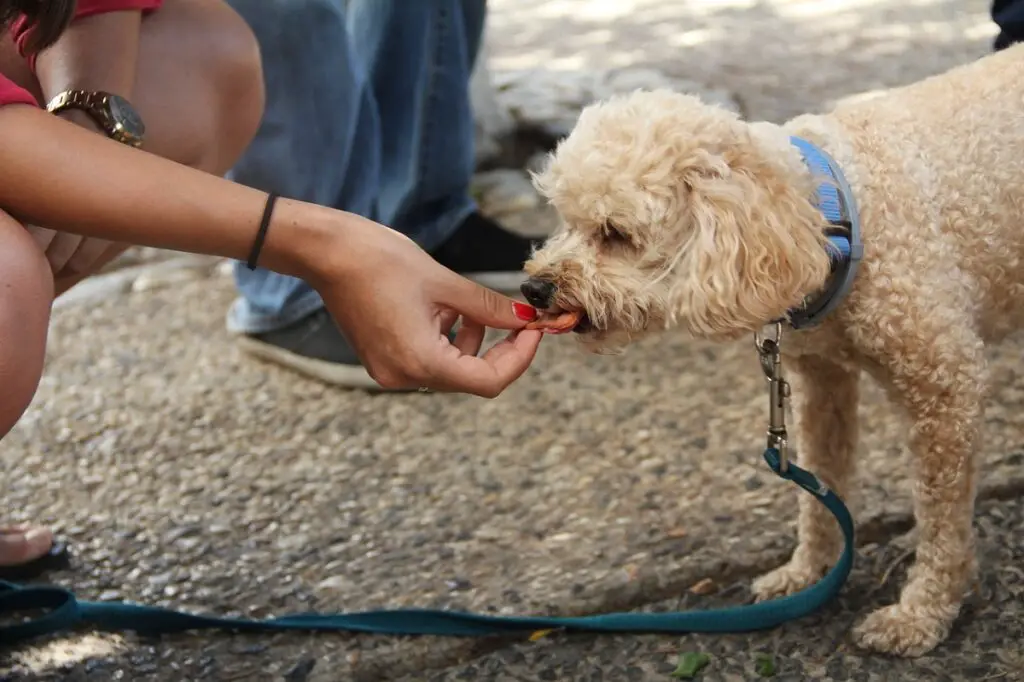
(613, 234)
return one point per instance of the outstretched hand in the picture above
(396, 306)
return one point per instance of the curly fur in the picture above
(676, 214)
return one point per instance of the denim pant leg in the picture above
(318, 140)
(367, 111)
(420, 57)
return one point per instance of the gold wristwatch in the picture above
(113, 113)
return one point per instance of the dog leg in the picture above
(827, 396)
(940, 379)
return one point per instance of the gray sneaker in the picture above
(313, 346)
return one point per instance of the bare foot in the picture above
(23, 543)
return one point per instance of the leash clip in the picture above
(769, 353)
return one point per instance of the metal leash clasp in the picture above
(769, 353)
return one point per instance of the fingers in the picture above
(61, 250)
(88, 253)
(42, 236)
(489, 375)
(485, 306)
(470, 337)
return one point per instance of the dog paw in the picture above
(896, 630)
(785, 580)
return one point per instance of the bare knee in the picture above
(200, 85)
(26, 293)
(236, 73)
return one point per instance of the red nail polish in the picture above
(524, 312)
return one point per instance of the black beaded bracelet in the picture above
(261, 235)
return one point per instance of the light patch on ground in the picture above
(63, 653)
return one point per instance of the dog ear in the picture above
(754, 247)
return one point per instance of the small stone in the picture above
(251, 649)
(301, 671)
(458, 584)
(338, 583)
(159, 579)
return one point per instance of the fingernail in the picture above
(524, 312)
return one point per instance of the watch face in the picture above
(125, 117)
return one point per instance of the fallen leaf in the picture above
(706, 586)
(764, 665)
(539, 634)
(677, 532)
(690, 664)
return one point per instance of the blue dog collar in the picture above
(836, 202)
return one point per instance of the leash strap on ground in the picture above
(63, 611)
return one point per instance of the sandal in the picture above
(26, 552)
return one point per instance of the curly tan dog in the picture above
(679, 215)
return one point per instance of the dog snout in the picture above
(539, 293)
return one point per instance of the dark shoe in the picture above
(313, 346)
(480, 249)
(487, 253)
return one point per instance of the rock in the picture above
(550, 101)
(504, 190)
(537, 162)
(493, 122)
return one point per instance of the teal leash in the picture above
(63, 611)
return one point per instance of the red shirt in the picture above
(11, 93)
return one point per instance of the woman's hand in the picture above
(70, 255)
(396, 306)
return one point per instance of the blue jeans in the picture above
(367, 111)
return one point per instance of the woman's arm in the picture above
(56, 174)
(98, 52)
(394, 302)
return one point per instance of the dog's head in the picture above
(674, 212)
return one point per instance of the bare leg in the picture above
(26, 291)
(200, 92)
(827, 440)
(199, 89)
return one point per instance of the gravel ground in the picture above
(815, 648)
(189, 475)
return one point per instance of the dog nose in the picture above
(538, 292)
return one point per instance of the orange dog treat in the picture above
(556, 324)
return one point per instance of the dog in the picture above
(678, 215)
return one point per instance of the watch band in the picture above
(96, 105)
